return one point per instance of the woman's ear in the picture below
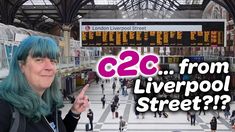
(21, 64)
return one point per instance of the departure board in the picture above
(178, 59)
(150, 32)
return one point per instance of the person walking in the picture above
(114, 87)
(122, 124)
(125, 91)
(137, 113)
(213, 124)
(193, 117)
(124, 82)
(116, 99)
(202, 108)
(65, 95)
(102, 87)
(90, 116)
(188, 116)
(227, 111)
(232, 118)
(103, 100)
(113, 108)
(159, 113)
(97, 79)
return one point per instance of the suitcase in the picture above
(165, 114)
(116, 114)
(87, 126)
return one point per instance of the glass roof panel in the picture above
(161, 8)
(113, 2)
(47, 2)
(37, 2)
(106, 2)
(189, 2)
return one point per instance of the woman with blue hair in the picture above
(32, 89)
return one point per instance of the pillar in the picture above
(66, 34)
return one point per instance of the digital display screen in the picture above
(152, 33)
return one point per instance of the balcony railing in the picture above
(64, 63)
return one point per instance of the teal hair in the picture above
(15, 88)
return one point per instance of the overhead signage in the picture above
(170, 32)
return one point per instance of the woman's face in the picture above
(39, 72)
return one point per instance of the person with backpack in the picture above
(122, 124)
(30, 94)
(103, 101)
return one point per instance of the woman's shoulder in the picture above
(5, 105)
(5, 114)
(6, 108)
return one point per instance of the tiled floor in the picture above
(176, 121)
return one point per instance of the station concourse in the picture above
(176, 121)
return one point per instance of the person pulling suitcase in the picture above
(90, 116)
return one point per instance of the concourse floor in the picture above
(176, 121)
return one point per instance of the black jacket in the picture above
(67, 125)
(213, 125)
